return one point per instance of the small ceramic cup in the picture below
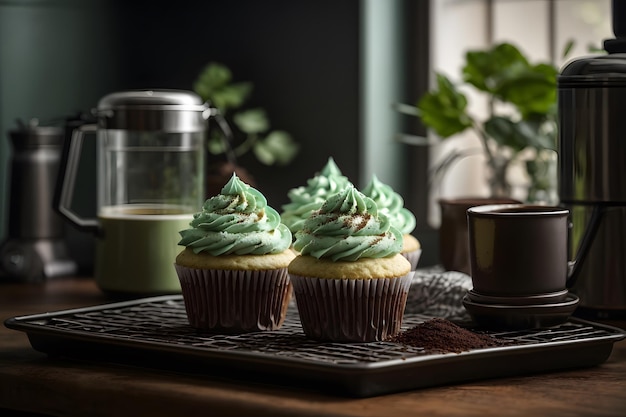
(519, 250)
(453, 248)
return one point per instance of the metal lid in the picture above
(598, 71)
(153, 110)
(34, 136)
(153, 99)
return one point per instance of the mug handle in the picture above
(66, 180)
(574, 266)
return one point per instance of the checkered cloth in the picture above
(438, 293)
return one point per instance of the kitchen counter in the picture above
(32, 382)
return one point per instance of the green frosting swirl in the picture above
(348, 226)
(305, 200)
(390, 203)
(237, 221)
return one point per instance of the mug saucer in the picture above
(534, 299)
(501, 316)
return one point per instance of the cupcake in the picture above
(391, 203)
(233, 270)
(349, 280)
(304, 200)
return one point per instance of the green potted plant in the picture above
(522, 111)
(250, 127)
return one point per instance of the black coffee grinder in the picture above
(592, 169)
(34, 249)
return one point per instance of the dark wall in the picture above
(302, 56)
(58, 57)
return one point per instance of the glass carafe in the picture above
(150, 180)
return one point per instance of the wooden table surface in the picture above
(33, 382)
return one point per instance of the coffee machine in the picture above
(592, 171)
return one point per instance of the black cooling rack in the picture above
(154, 332)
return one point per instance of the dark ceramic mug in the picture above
(519, 250)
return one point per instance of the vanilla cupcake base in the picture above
(411, 250)
(351, 310)
(413, 257)
(235, 301)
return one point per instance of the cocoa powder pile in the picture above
(443, 336)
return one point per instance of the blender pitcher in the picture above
(150, 180)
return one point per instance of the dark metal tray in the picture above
(154, 332)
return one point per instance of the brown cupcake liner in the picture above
(413, 257)
(351, 310)
(235, 301)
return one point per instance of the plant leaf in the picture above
(486, 70)
(263, 154)
(506, 132)
(531, 91)
(277, 148)
(252, 121)
(211, 78)
(216, 145)
(518, 135)
(214, 85)
(444, 109)
(231, 96)
(567, 49)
